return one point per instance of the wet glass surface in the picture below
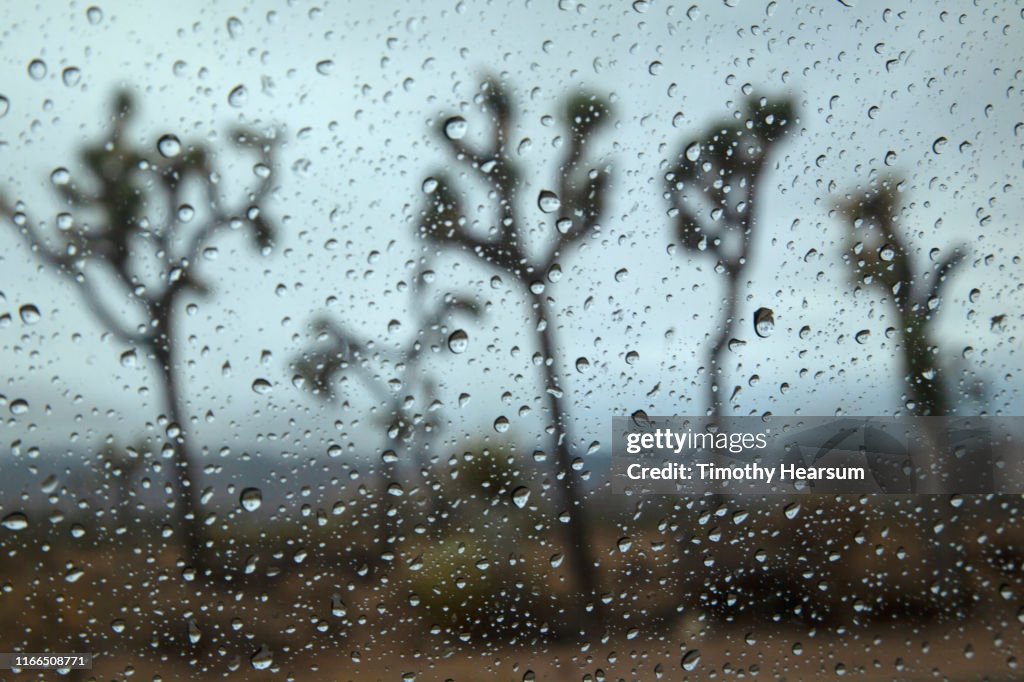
(314, 318)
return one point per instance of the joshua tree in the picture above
(575, 207)
(879, 256)
(131, 219)
(713, 192)
(393, 377)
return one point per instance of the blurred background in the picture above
(314, 317)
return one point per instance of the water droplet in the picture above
(5, 106)
(238, 96)
(582, 365)
(251, 499)
(60, 176)
(129, 358)
(325, 67)
(396, 490)
(18, 406)
(792, 510)
(501, 424)
(691, 659)
(234, 26)
(621, 274)
(455, 128)
(94, 14)
(15, 521)
(262, 386)
(29, 314)
(887, 253)
(624, 544)
(764, 322)
(520, 496)
(262, 659)
(693, 151)
(37, 69)
(939, 143)
(430, 185)
(458, 341)
(169, 146)
(548, 201)
(862, 336)
(194, 633)
(71, 76)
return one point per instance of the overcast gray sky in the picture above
(355, 90)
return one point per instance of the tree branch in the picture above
(500, 175)
(107, 318)
(942, 274)
(65, 266)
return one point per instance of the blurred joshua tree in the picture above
(879, 256)
(574, 209)
(128, 237)
(714, 197)
(396, 381)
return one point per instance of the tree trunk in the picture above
(183, 473)
(389, 474)
(929, 394)
(720, 345)
(577, 531)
